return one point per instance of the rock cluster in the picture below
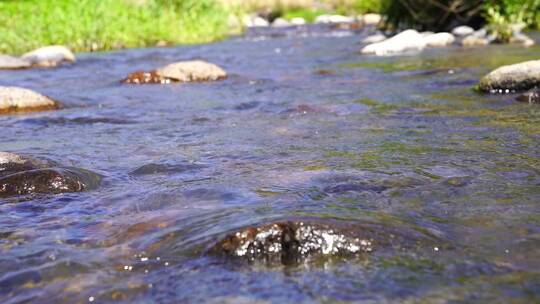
(183, 71)
(411, 40)
(48, 56)
(25, 176)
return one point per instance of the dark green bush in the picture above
(432, 14)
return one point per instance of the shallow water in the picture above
(304, 127)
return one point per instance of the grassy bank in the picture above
(106, 24)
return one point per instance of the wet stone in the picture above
(154, 168)
(142, 77)
(355, 187)
(292, 242)
(24, 176)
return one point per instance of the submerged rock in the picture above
(12, 63)
(516, 77)
(49, 56)
(409, 40)
(439, 39)
(184, 71)
(292, 242)
(15, 99)
(532, 96)
(23, 176)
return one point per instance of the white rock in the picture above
(12, 63)
(481, 33)
(374, 38)
(255, 21)
(280, 22)
(340, 19)
(425, 34)
(371, 19)
(298, 21)
(188, 71)
(409, 40)
(49, 56)
(14, 99)
(439, 39)
(462, 30)
(322, 19)
(522, 39)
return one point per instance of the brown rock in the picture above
(142, 77)
(22, 176)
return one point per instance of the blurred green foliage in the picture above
(106, 24)
(501, 15)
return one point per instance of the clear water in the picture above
(304, 127)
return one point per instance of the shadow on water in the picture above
(398, 152)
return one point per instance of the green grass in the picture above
(85, 25)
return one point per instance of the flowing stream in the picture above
(304, 127)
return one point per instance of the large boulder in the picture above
(15, 99)
(439, 39)
(12, 63)
(409, 40)
(532, 96)
(516, 77)
(20, 175)
(183, 71)
(49, 56)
